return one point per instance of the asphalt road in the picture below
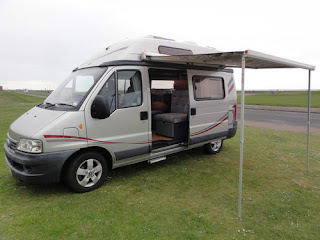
(280, 117)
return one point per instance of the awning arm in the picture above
(243, 66)
(308, 123)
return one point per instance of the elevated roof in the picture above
(131, 50)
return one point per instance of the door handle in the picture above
(143, 115)
(193, 111)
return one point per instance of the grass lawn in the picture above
(189, 196)
(287, 99)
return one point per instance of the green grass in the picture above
(287, 99)
(189, 196)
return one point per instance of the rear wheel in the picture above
(86, 172)
(213, 147)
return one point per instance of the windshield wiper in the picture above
(65, 104)
(47, 104)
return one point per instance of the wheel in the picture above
(86, 172)
(213, 147)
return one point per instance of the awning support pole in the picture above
(243, 64)
(309, 106)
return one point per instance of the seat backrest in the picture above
(180, 97)
(180, 101)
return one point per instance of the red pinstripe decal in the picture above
(210, 127)
(89, 139)
(230, 89)
(94, 140)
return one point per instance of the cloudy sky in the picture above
(42, 41)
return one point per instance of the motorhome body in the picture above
(118, 109)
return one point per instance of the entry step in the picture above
(155, 160)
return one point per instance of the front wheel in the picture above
(213, 147)
(86, 172)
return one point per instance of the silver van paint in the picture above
(32, 122)
(124, 137)
(53, 135)
(124, 131)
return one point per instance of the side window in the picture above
(109, 92)
(129, 88)
(206, 88)
(174, 51)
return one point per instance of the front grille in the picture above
(12, 145)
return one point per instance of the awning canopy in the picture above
(254, 60)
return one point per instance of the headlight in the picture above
(29, 145)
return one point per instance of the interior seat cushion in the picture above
(155, 112)
(180, 102)
(159, 106)
(180, 85)
(172, 117)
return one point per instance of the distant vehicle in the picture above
(25, 90)
(117, 109)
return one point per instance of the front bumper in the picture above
(40, 168)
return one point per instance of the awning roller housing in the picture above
(254, 60)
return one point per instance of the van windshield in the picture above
(71, 93)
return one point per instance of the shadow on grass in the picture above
(43, 189)
(137, 169)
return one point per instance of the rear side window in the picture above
(208, 88)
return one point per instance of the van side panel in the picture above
(208, 117)
(124, 133)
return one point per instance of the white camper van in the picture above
(120, 108)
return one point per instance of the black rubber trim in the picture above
(39, 168)
(144, 115)
(232, 131)
(132, 152)
(163, 65)
(204, 138)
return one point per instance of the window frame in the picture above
(104, 84)
(207, 99)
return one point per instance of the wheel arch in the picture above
(107, 155)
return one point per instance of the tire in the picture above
(86, 172)
(213, 147)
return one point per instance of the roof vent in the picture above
(160, 38)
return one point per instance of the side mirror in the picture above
(100, 108)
